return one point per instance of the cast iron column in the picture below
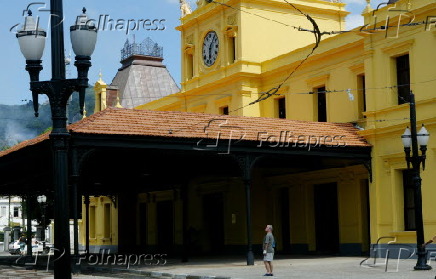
(59, 138)
(250, 255)
(87, 223)
(416, 180)
(246, 163)
(29, 227)
(186, 237)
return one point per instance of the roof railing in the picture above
(147, 47)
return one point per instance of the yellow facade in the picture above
(264, 59)
(235, 79)
(387, 202)
(338, 64)
(358, 70)
(103, 225)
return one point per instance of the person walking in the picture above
(268, 250)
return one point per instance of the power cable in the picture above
(296, 93)
(273, 91)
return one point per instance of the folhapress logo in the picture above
(103, 22)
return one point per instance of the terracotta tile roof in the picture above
(174, 124)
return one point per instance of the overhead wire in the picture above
(273, 91)
(318, 35)
(296, 93)
(332, 32)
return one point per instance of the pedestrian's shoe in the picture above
(266, 274)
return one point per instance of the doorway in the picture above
(326, 218)
(165, 231)
(143, 224)
(213, 218)
(284, 221)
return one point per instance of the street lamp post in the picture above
(42, 201)
(32, 41)
(411, 139)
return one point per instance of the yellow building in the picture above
(103, 225)
(257, 48)
(396, 61)
(248, 58)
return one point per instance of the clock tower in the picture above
(224, 42)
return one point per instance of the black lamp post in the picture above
(58, 90)
(42, 202)
(410, 139)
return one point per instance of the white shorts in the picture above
(268, 257)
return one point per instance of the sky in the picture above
(14, 80)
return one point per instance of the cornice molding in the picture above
(357, 68)
(209, 10)
(375, 113)
(199, 108)
(223, 101)
(399, 48)
(317, 80)
(368, 53)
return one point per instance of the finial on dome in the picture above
(368, 7)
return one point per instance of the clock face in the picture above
(210, 48)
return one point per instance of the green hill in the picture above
(18, 122)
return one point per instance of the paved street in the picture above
(14, 272)
(296, 267)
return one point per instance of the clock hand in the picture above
(215, 44)
(210, 50)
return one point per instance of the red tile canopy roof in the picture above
(175, 124)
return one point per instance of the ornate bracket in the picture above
(246, 163)
(59, 90)
(79, 156)
(368, 166)
(58, 93)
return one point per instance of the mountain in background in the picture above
(18, 122)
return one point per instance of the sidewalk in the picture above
(236, 268)
(292, 267)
